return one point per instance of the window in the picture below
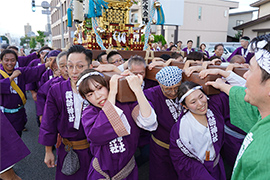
(239, 22)
(134, 18)
(198, 41)
(200, 13)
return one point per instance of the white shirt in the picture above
(121, 67)
(235, 80)
(78, 105)
(196, 137)
(147, 123)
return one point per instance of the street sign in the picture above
(48, 12)
(45, 4)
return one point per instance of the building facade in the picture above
(259, 26)
(203, 21)
(27, 29)
(239, 18)
(56, 29)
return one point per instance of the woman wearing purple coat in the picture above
(62, 114)
(196, 139)
(10, 101)
(219, 49)
(111, 127)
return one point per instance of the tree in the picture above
(33, 43)
(157, 38)
(5, 39)
(24, 41)
(238, 35)
(40, 37)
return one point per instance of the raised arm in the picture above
(135, 85)
(146, 117)
(231, 77)
(220, 84)
(107, 68)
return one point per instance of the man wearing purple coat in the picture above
(62, 114)
(12, 149)
(11, 102)
(33, 87)
(243, 50)
(52, 70)
(219, 49)
(23, 60)
(167, 108)
(189, 48)
(61, 61)
(137, 65)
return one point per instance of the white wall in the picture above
(264, 9)
(213, 25)
(249, 31)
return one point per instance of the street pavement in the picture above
(33, 167)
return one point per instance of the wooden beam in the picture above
(128, 54)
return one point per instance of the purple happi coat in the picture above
(10, 98)
(33, 85)
(233, 136)
(145, 135)
(186, 50)
(222, 59)
(240, 51)
(43, 91)
(160, 164)
(186, 163)
(205, 52)
(25, 60)
(56, 119)
(12, 147)
(112, 151)
(149, 83)
(47, 75)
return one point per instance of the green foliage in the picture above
(160, 38)
(40, 38)
(5, 39)
(24, 41)
(157, 38)
(33, 43)
(238, 35)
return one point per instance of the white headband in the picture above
(189, 92)
(262, 55)
(87, 75)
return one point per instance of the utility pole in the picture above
(46, 5)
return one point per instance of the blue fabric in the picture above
(160, 16)
(69, 17)
(96, 8)
(6, 110)
(169, 76)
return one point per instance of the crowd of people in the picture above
(183, 132)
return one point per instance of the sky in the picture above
(14, 14)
